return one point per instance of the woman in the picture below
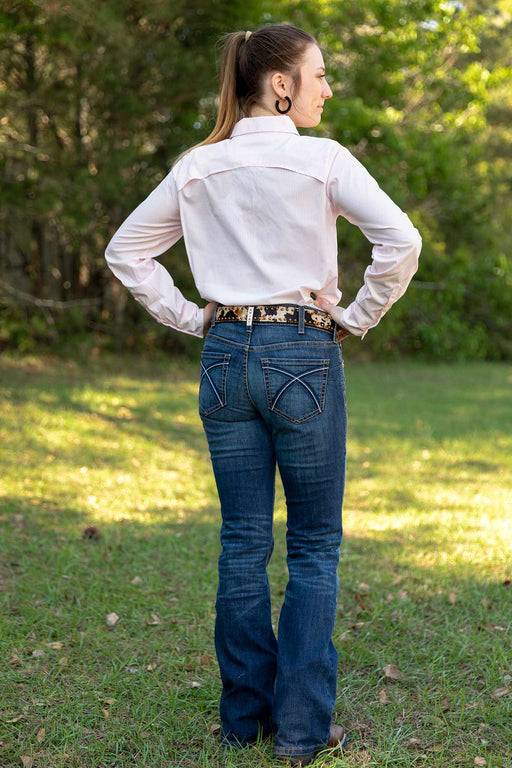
(257, 205)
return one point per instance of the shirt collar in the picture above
(265, 123)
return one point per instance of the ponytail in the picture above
(275, 47)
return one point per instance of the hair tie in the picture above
(247, 35)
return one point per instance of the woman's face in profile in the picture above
(306, 111)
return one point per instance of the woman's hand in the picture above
(208, 314)
(334, 311)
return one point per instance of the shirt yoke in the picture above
(308, 155)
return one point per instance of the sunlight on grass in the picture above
(126, 447)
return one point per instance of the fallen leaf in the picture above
(108, 701)
(154, 620)
(15, 719)
(452, 597)
(194, 684)
(41, 735)
(363, 588)
(136, 580)
(205, 660)
(382, 697)
(15, 659)
(480, 761)
(27, 761)
(500, 692)
(63, 661)
(214, 728)
(106, 713)
(38, 653)
(392, 671)
(91, 532)
(56, 646)
(112, 619)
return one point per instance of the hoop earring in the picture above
(284, 111)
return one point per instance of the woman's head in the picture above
(275, 61)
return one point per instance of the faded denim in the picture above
(276, 392)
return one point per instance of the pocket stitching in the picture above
(265, 363)
(223, 359)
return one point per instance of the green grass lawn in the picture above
(117, 443)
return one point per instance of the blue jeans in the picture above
(276, 392)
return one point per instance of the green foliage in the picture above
(100, 98)
(22, 332)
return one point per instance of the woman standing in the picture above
(257, 205)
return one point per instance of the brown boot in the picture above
(338, 739)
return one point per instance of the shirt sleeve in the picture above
(356, 195)
(150, 230)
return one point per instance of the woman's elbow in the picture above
(414, 245)
(111, 257)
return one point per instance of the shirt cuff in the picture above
(181, 315)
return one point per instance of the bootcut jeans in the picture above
(268, 392)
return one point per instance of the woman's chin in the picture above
(311, 122)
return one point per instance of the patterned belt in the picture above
(279, 313)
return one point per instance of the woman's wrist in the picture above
(335, 312)
(208, 312)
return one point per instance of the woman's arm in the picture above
(355, 195)
(150, 230)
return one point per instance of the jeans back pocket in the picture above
(295, 388)
(212, 384)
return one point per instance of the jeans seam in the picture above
(244, 378)
(280, 344)
(343, 382)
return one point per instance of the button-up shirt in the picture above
(258, 212)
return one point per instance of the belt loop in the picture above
(335, 330)
(250, 313)
(301, 319)
(213, 316)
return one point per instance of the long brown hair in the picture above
(272, 48)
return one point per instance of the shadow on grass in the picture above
(445, 623)
(448, 632)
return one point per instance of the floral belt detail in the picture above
(279, 313)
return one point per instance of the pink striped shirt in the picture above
(258, 212)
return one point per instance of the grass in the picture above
(117, 443)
